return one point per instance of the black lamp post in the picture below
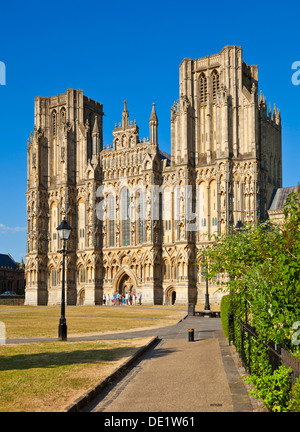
(206, 306)
(64, 231)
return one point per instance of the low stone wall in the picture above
(12, 300)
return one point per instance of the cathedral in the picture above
(140, 217)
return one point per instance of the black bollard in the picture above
(191, 335)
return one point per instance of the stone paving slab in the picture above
(181, 376)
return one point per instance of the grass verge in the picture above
(47, 377)
(34, 322)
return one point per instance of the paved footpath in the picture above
(179, 376)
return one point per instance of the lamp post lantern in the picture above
(64, 231)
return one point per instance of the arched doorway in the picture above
(81, 297)
(173, 297)
(125, 284)
(170, 296)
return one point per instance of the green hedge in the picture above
(274, 388)
(229, 305)
(225, 310)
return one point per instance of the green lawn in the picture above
(48, 376)
(42, 321)
(51, 375)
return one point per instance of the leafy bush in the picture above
(273, 388)
(263, 268)
(294, 403)
(262, 264)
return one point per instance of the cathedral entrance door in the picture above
(125, 284)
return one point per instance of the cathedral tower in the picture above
(63, 175)
(221, 123)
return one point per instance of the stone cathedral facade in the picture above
(224, 165)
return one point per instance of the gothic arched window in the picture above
(111, 220)
(215, 84)
(166, 270)
(82, 274)
(81, 224)
(203, 89)
(53, 277)
(140, 217)
(63, 115)
(125, 217)
(54, 123)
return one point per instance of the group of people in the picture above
(118, 299)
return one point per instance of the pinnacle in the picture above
(96, 128)
(153, 116)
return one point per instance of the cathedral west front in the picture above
(140, 216)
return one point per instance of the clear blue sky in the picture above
(116, 50)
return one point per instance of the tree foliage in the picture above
(262, 265)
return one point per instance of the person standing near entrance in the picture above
(140, 299)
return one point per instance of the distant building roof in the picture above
(164, 155)
(280, 197)
(7, 261)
